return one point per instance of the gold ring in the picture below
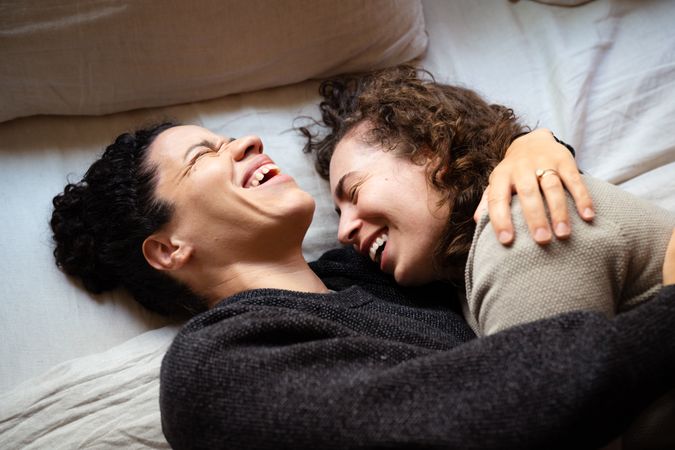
(541, 173)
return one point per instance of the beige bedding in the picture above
(602, 75)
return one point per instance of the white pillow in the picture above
(74, 57)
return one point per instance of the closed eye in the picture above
(350, 194)
(353, 193)
(200, 154)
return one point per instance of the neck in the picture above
(290, 273)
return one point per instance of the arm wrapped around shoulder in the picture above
(607, 266)
(306, 374)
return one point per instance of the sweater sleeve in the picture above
(603, 266)
(264, 377)
(507, 286)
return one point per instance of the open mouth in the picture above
(377, 247)
(262, 175)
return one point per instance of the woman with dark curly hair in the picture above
(116, 227)
(332, 354)
(100, 223)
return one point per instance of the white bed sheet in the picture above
(601, 75)
(106, 400)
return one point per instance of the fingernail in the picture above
(505, 237)
(542, 234)
(562, 229)
(589, 213)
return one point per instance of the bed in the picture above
(81, 371)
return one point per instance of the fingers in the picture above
(540, 169)
(669, 262)
(499, 207)
(574, 183)
(533, 208)
(554, 193)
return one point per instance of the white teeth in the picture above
(377, 244)
(260, 173)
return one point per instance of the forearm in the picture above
(552, 383)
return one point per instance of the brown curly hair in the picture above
(450, 128)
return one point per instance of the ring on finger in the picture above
(541, 173)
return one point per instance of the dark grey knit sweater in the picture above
(374, 366)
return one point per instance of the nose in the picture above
(348, 228)
(245, 146)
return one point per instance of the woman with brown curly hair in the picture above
(409, 160)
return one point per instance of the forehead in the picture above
(354, 154)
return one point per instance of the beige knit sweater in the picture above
(607, 266)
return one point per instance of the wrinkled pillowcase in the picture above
(73, 57)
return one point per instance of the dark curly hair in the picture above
(100, 223)
(455, 131)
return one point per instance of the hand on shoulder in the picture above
(540, 169)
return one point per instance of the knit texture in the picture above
(373, 366)
(608, 266)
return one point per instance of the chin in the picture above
(306, 208)
(306, 219)
(408, 279)
(405, 280)
(297, 204)
(297, 216)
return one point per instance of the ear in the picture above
(163, 253)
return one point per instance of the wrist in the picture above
(566, 145)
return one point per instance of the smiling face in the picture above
(387, 209)
(230, 201)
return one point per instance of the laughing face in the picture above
(387, 209)
(229, 199)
